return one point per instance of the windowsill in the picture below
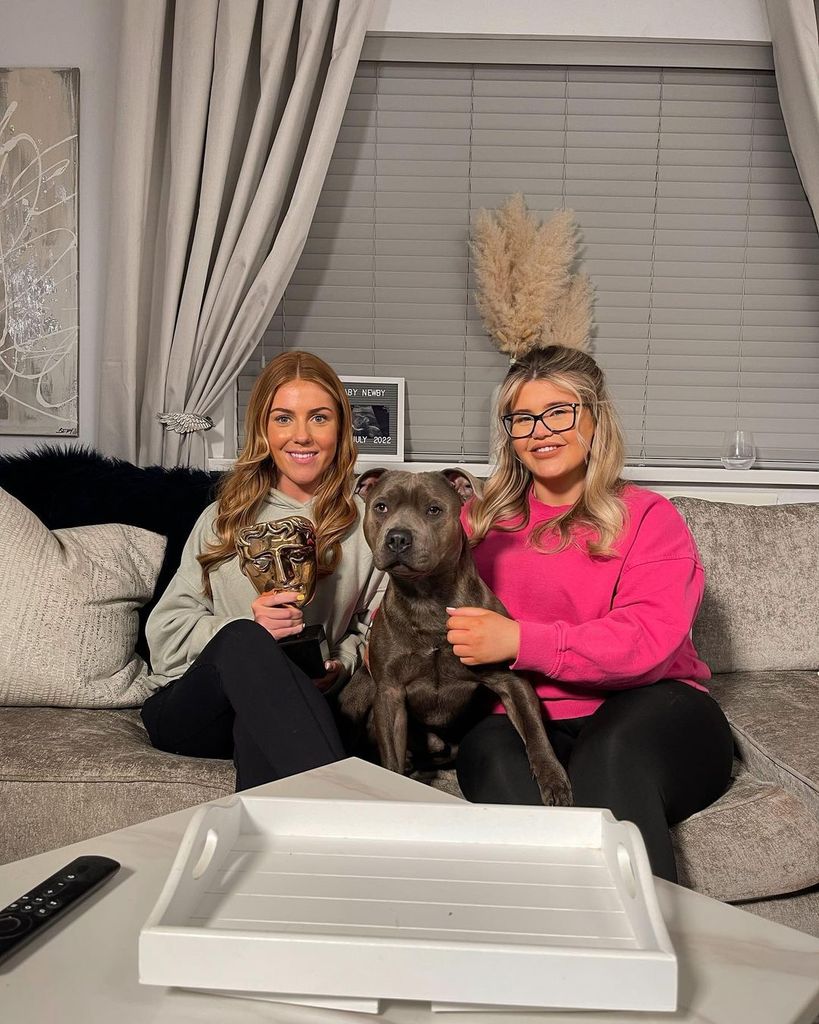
(643, 474)
(734, 477)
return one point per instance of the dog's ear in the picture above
(464, 483)
(367, 480)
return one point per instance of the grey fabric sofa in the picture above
(67, 774)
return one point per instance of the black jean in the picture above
(243, 698)
(652, 755)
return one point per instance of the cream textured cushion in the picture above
(68, 611)
(761, 604)
(773, 716)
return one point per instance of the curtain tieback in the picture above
(184, 422)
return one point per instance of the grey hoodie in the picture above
(184, 619)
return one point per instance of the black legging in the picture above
(652, 755)
(243, 698)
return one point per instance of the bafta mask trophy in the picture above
(281, 556)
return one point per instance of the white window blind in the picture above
(695, 230)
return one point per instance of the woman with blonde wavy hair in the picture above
(224, 686)
(601, 581)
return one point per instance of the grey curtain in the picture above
(793, 25)
(227, 114)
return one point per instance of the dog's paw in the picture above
(356, 697)
(555, 788)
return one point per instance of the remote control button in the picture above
(27, 908)
(38, 899)
(9, 924)
(53, 904)
(42, 911)
(70, 877)
(11, 906)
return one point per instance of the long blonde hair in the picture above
(243, 489)
(599, 510)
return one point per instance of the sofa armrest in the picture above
(773, 717)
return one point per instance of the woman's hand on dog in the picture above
(279, 614)
(482, 637)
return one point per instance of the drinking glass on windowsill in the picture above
(738, 450)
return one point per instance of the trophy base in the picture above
(309, 650)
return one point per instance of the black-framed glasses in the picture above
(557, 420)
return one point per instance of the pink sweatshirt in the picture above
(591, 625)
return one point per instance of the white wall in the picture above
(77, 34)
(84, 34)
(736, 21)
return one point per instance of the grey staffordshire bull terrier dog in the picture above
(417, 697)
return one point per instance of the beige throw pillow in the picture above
(68, 611)
(761, 601)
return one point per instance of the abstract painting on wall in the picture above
(39, 323)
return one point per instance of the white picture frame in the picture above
(378, 416)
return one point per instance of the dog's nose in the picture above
(399, 541)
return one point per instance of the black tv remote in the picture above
(31, 913)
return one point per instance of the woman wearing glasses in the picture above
(601, 580)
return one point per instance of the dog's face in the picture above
(412, 523)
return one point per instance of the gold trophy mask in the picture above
(280, 556)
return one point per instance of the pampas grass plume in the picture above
(526, 295)
(569, 322)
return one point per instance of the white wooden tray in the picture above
(344, 903)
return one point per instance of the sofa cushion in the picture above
(756, 841)
(74, 485)
(774, 718)
(67, 774)
(761, 604)
(68, 618)
(799, 910)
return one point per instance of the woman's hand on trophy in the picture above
(279, 614)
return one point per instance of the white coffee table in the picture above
(735, 968)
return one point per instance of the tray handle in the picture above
(627, 859)
(211, 831)
(626, 868)
(206, 856)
